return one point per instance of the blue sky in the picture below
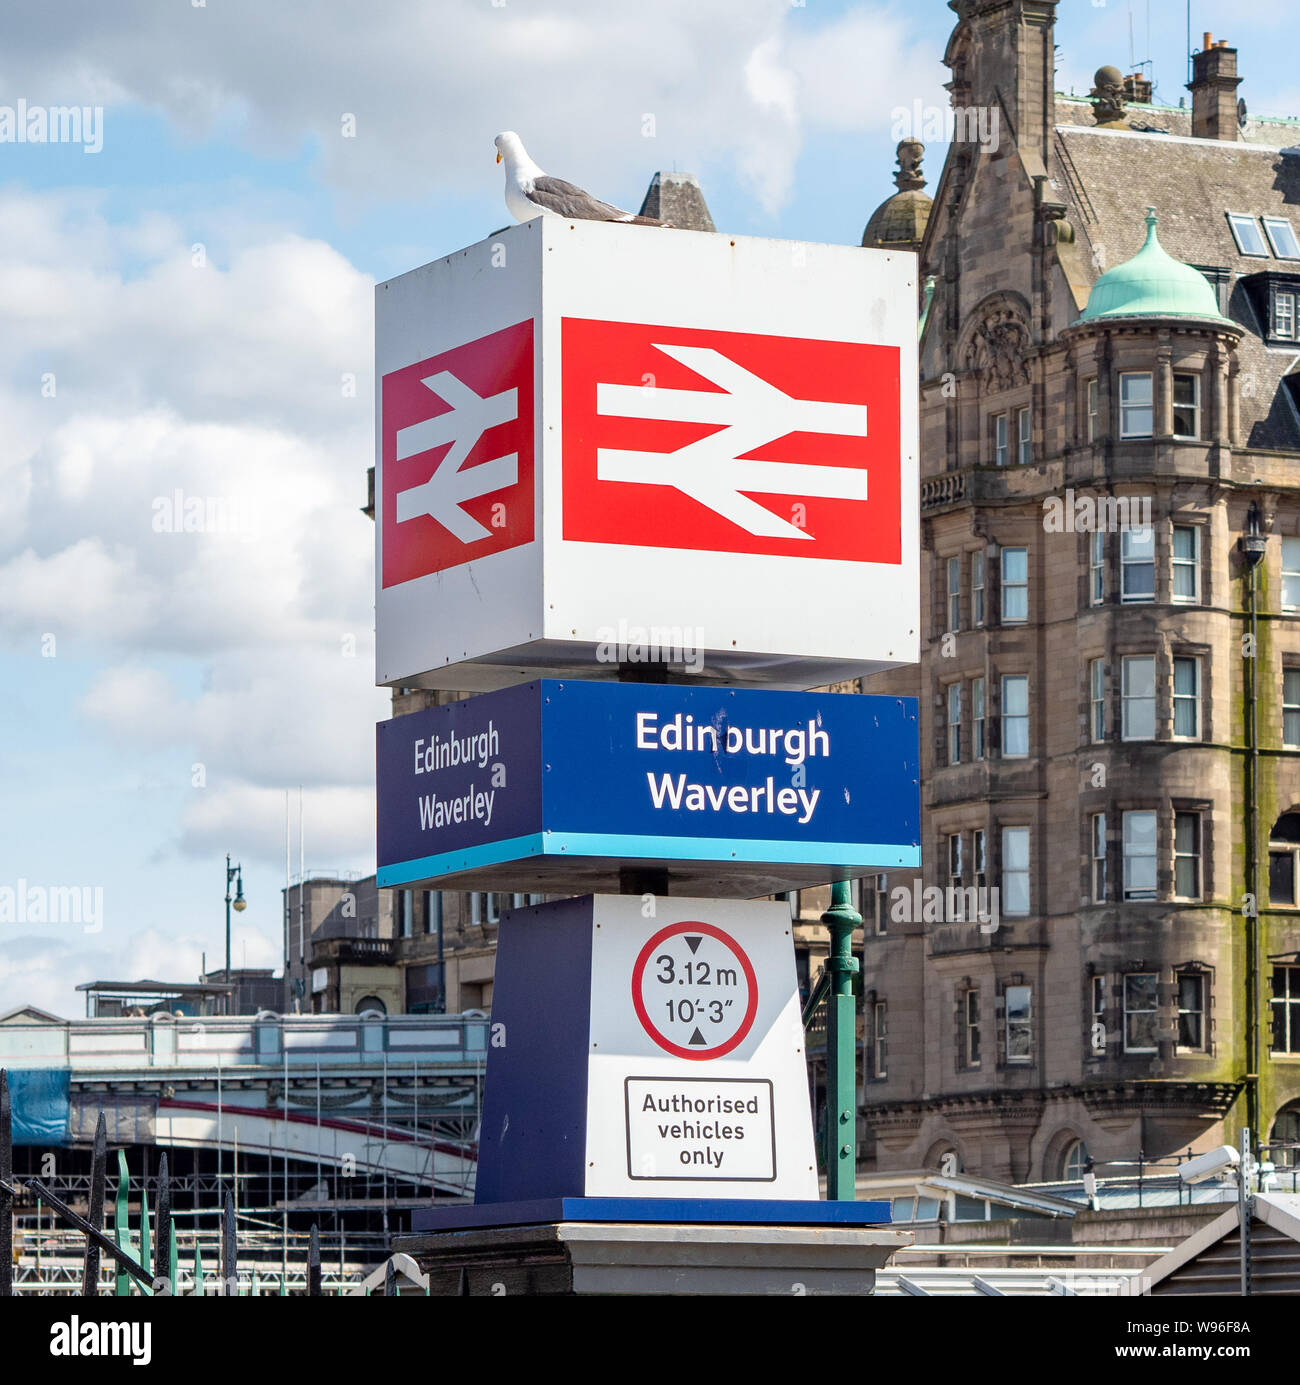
(186, 309)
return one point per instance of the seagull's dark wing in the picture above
(567, 199)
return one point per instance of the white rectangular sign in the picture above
(600, 444)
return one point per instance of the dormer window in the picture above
(1282, 237)
(1284, 315)
(1246, 232)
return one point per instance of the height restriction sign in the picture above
(694, 990)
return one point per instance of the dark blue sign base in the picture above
(708, 1211)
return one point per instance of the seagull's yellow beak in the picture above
(498, 156)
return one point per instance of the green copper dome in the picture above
(1152, 284)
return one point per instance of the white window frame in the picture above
(977, 589)
(880, 1037)
(1291, 569)
(1195, 855)
(970, 1020)
(879, 893)
(956, 861)
(1192, 564)
(1098, 1003)
(1009, 718)
(978, 744)
(1277, 238)
(1092, 397)
(952, 706)
(1024, 436)
(1239, 221)
(1182, 700)
(484, 908)
(1128, 699)
(1194, 406)
(1097, 567)
(1128, 408)
(954, 594)
(979, 859)
(1130, 563)
(1291, 708)
(1289, 1000)
(1001, 434)
(1097, 882)
(1019, 833)
(1202, 1010)
(1154, 1011)
(1025, 1025)
(1283, 325)
(1008, 586)
(1097, 700)
(1131, 856)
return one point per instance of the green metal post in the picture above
(841, 1049)
(122, 1225)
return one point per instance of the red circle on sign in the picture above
(638, 971)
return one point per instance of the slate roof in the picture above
(676, 197)
(1109, 177)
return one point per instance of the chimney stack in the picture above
(1214, 91)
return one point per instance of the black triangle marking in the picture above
(697, 1038)
(694, 943)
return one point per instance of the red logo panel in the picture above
(730, 442)
(458, 455)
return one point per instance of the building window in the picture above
(1097, 567)
(981, 859)
(880, 1034)
(1098, 858)
(954, 723)
(405, 913)
(1015, 716)
(1286, 1009)
(432, 911)
(977, 589)
(1191, 1010)
(1000, 440)
(1187, 699)
(1291, 574)
(977, 718)
(1247, 235)
(1284, 860)
(1092, 409)
(1097, 1036)
(1140, 1013)
(484, 909)
(1138, 698)
(970, 1028)
(1282, 237)
(875, 900)
(954, 861)
(1015, 870)
(1187, 855)
(1137, 564)
(1020, 1034)
(1015, 586)
(1140, 854)
(1284, 316)
(1187, 563)
(1024, 437)
(1136, 414)
(1074, 1162)
(1187, 406)
(1097, 699)
(954, 593)
(1291, 708)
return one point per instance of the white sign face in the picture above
(600, 444)
(697, 1084)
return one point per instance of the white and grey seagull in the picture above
(530, 192)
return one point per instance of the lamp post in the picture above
(841, 1049)
(236, 874)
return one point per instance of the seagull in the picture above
(529, 191)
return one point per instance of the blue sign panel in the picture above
(649, 772)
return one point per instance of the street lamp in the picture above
(235, 873)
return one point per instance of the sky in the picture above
(186, 610)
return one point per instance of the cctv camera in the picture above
(1216, 1164)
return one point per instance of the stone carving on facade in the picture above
(1108, 96)
(997, 348)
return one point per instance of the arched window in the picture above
(370, 1002)
(1286, 1131)
(1074, 1160)
(1284, 860)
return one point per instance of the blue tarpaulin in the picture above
(39, 1097)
